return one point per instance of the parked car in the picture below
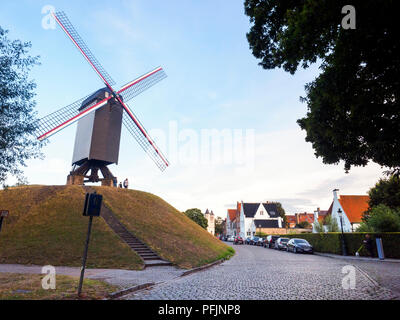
(253, 240)
(299, 245)
(270, 241)
(260, 242)
(238, 240)
(281, 243)
(230, 238)
(247, 241)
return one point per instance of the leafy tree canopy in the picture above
(386, 191)
(383, 219)
(219, 225)
(17, 118)
(353, 105)
(196, 215)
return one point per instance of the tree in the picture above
(386, 191)
(330, 224)
(303, 225)
(17, 117)
(197, 216)
(219, 225)
(384, 219)
(353, 105)
(282, 213)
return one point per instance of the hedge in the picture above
(331, 242)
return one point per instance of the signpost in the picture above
(3, 214)
(91, 209)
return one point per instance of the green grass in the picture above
(14, 286)
(46, 226)
(166, 230)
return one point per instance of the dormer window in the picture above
(261, 213)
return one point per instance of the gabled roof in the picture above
(232, 214)
(309, 217)
(290, 219)
(272, 209)
(354, 207)
(250, 209)
(268, 223)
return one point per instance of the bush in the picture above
(331, 242)
(384, 219)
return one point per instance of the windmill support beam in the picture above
(80, 175)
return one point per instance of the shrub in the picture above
(331, 242)
(384, 219)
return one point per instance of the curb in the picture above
(353, 258)
(202, 267)
(124, 292)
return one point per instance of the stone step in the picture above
(148, 256)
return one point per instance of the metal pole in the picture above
(85, 255)
(1, 222)
(343, 244)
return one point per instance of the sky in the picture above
(227, 126)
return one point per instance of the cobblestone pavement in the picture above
(259, 273)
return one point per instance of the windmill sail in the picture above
(150, 148)
(70, 31)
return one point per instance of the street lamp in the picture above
(340, 214)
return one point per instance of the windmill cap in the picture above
(98, 95)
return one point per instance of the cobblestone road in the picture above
(259, 273)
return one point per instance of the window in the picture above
(261, 213)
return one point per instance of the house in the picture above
(251, 214)
(304, 217)
(352, 208)
(297, 218)
(291, 221)
(209, 215)
(231, 228)
(267, 226)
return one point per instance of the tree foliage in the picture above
(383, 219)
(17, 117)
(282, 214)
(386, 191)
(196, 215)
(353, 105)
(219, 225)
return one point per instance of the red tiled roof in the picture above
(309, 217)
(291, 219)
(354, 207)
(232, 214)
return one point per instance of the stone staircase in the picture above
(149, 257)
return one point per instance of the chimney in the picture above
(335, 197)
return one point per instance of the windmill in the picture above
(100, 117)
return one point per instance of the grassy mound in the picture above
(46, 226)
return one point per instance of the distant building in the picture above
(209, 215)
(231, 228)
(297, 218)
(352, 208)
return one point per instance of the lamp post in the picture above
(340, 214)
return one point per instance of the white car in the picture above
(231, 238)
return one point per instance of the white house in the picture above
(252, 215)
(231, 223)
(352, 208)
